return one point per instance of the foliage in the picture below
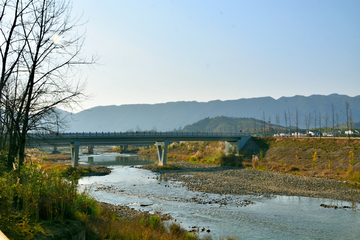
(36, 195)
(108, 226)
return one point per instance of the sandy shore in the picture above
(241, 181)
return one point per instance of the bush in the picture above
(33, 195)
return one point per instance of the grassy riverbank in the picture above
(41, 200)
(325, 158)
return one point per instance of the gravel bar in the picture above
(243, 181)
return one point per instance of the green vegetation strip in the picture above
(41, 201)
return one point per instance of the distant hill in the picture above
(232, 124)
(173, 115)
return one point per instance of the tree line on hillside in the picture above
(40, 50)
(317, 121)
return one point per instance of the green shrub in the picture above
(33, 195)
(192, 159)
(154, 221)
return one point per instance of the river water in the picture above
(245, 217)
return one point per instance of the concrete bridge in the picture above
(161, 139)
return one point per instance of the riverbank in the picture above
(243, 181)
(323, 158)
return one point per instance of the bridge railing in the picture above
(129, 134)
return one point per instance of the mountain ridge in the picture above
(173, 115)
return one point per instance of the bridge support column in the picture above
(124, 148)
(75, 153)
(236, 146)
(90, 149)
(55, 151)
(162, 151)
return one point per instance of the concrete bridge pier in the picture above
(161, 148)
(124, 148)
(75, 153)
(55, 151)
(90, 149)
(231, 146)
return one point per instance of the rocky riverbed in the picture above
(242, 181)
(127, 213)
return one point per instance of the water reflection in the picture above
(280, 217)
(114, 159)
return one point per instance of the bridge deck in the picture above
(126, 137)
(162, 140)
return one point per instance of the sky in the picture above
(202, 50)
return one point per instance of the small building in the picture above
(332, 133)
(297, 134)
(350, 132)
(314, 133)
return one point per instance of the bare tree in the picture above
(337, 123)
(320, 123)
(315, 121)
(263, 123)
(278, 122)
(49, 51)
(333, 118)
(269, 124)
(347, 116)
(351, 122)
(290, 118)
(286, 119)
(326, 121)
(254, 122)
(308, 120)
(297, 122)
(11, 48)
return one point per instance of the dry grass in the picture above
(107, 226)
(289, 155)
(326, 158)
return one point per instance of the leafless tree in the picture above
(315, 121)
(269, 125)
(286, 119)
(347, 116)
(320, 123)
(308, 120)
(11, 48)
(278, 122)
(297, 121)
(351, 122)
(48, 49)
(333, 119)
(326, 121)
(263, 123)
(337, 123)
(290, 119)
(254, 122)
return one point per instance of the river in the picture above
(245, 217)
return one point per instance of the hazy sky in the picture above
(202, 50)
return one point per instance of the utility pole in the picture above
(269, 128)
